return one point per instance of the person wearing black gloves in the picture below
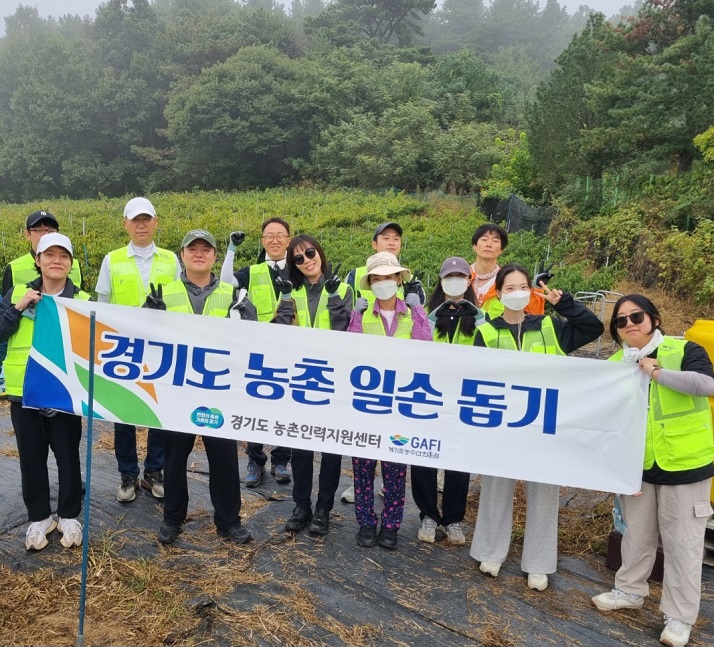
(517, 331)
(259, 280)
(313, 297)
(453, 317)
(198, 291)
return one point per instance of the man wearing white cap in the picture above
(38, 431)
(124, 279)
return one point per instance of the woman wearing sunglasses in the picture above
(517, 331)
(676, 481)
(314, 297)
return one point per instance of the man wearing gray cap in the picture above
(199, 291)
(124, 279)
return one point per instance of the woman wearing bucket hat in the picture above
(314, 297)
(39, 430)
(393, 317)
(453, 317)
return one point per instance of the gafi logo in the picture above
(430, 444)
(205, 417)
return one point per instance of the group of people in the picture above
(482, 304)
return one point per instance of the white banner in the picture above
(564, 420)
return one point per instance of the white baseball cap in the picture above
(139, 207)
(55, 239)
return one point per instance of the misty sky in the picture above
(87, 7)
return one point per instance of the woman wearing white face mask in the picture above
(453, 317)
(392, 317)
(677, 473)
(516, 330)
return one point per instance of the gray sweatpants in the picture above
(678, 513)
(494, 522)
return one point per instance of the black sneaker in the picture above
(298, 519)
(168, 533)
(387, 538)
(127, 490)
(367, 536)
(281, 473)
(154, 483)
(236, 534)
(320, 524)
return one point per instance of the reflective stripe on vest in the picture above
(374, 324)
(261, 291)
(127, 287)
(679, 426)
(18, 345)
(534, 341)
(217, 303)
(24, 270)
(322, 314)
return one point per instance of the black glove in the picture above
(543, 275)
(413, 287)
(245, 309)
(236, 239)
(154, 300)
(332, 281)
(284, 286)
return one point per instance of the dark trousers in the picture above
(223, 480)
(328, 480)
(35, 435)
(278, 455)
(125, 450)
(453, 500)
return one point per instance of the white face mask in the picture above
(516, 300)
(454, 286)
(384, 289)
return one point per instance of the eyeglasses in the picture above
(310, 253)
(269, 238)
(42, 230)
(635, 317)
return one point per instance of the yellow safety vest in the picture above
(262, 292)
(322, 314)
(19, 343)
(373, 324)
(534, 341)
(459, 337)
(679, 426)
(127, 287)
(24, 270)
(176, 298)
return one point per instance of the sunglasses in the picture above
(635, 317)
(310, 253)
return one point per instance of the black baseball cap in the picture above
(36, 217)
(387, 225)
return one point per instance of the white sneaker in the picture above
(36, 536)
(427, 532)
(455, 534)
(676, 632)
(71, 531)
(348, 496)
(440, 474)
(490, 568)
(537, 581)
(617, 599)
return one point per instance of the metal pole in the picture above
(85, 530)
